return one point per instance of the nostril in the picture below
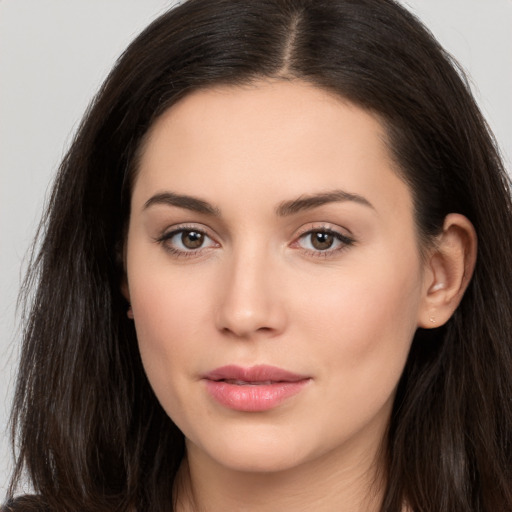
(244, 311)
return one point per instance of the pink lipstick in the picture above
(254, 389)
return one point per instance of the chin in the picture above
(254, 453)
(265, 461)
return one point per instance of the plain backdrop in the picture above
(55, 53)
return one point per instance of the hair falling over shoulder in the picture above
(88, 430)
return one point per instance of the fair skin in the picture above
(249, 273)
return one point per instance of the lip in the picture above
(254, 389)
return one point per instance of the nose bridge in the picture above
(249, 299)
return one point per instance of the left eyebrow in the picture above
(308, 202)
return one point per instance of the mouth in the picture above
(255, 389)
(260, 374)
(250, 383)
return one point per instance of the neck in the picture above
(353, 484)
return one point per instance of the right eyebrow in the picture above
(182, 201)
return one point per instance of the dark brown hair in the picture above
(88, 429)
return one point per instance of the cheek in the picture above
(169, 309)
(166, 311)
(364, 320)
(168, 322)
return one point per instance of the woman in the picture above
(258, 286)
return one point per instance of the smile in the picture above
(256, 389)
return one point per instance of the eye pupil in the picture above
(322, 240)
(192, 239)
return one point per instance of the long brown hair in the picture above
(88, 429)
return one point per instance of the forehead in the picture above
(270, 110)
(273, 138)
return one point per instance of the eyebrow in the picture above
(284, 209)
(182, 201)
(315, 200)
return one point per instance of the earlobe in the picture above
(449, 269)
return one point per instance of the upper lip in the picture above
(258, 373)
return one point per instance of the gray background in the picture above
(55, 53)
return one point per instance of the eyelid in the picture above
(171, 231)
(323, 226)
(346, 240)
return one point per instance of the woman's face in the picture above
(274, 275)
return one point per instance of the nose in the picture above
(251, 302)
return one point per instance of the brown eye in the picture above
(192, 239)
(322, 240)
(186, 241)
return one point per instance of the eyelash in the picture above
(179, 253)
(344, 242)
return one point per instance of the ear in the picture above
(448, 270)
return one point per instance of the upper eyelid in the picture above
(168, 233)
(300, 232)
(165, 238)
(345, 243)
(341, 233)
(324, 226)
(170, 230)
(340, 236)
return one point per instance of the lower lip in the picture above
(253, 397)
